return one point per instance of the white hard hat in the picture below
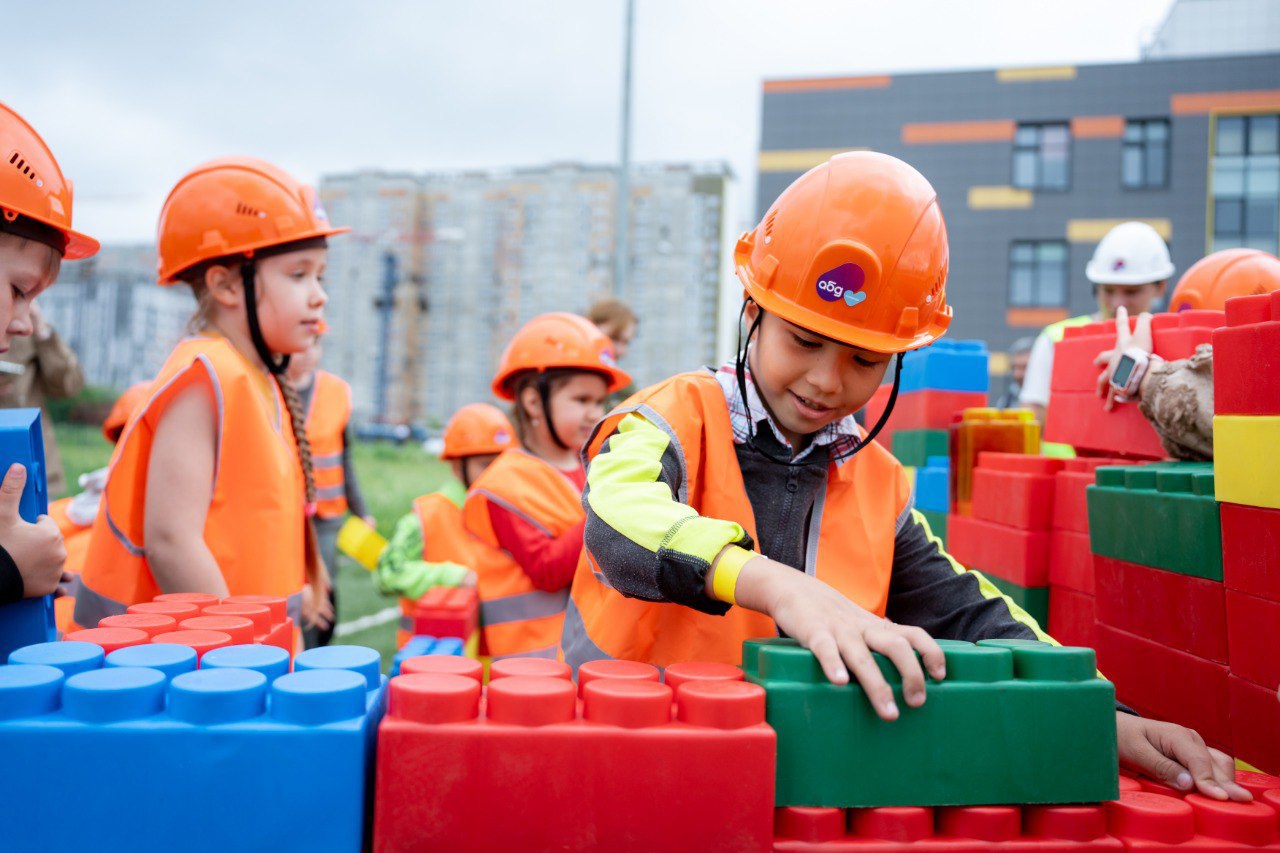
(1130, 253)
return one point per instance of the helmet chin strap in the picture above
(740, 371)
(248, 277)
(544, 394)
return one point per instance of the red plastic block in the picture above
(1177, 335)
(536, 667)
(447, 665)
(447, 612)
(1018, 556)
(697, 672)
(1253, 631)
(239, 629)
(199, 599)
(1257, 783)
(1246, 354)
(1077, 418)
(1173, 336)
(1251, 550)
(1015, 489)
(110, 638)
(1175, 610)
(531, 767)
(1148, 821)
(1167, 684)
(1255, 718)
(1072, 617)
(201, 641)
(1048, 829)
(149, 623)
(1070, 506)
(925, 409)
(1071, 561)
(179, 610)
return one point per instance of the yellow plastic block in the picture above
(361, 542)
(472, 647)
(1246, 459)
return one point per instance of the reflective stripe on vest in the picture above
(1057, 331)
(516, 618)
(855, 518)
(327, 417)
(254, 524)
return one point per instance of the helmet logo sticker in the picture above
(606, 357)
(502, 437)
(1117, 265)
(844, 282)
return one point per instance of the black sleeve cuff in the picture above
(11, 586)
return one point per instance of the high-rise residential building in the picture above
(441, 268)
(121, 324)
(1034, 165)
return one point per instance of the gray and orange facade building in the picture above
(1034, 165)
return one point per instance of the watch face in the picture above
(1120, 379)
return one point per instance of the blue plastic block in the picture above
(933, 483)
(32, 619)
(221, 758)
(424, 645)
(271, 661)
(946, 366)
(69, 656)
(170, 658)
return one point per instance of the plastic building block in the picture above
(1078, 419)
(31, 620)
(1255, 718)
(937, 524)
(160, 743)
(420, 645)
(1177, 335)
(204, 622)
(1180, 611)
(1015, 489)
(1070, 504)
(924, 409)
(1158, 515)
(1072, 617)
(1167, 684)
(959, 829)
(932, 484)
(1007, 431)
(172, 659)
(1253, 632)
(70, 657)
(201, 641)
(599, 772)
(1147, 821)
(1251, 550)
(1246, 354)
(1006, 713)
(1034, 600)
(1246, 458)
(1017, 556)
(947, 365)
(447, 612)
(1071, 561)
(915, 446)
(1173, 336)
(361, 542)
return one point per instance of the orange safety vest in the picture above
(444, 539)
(851, 535)
(326, 420)
(516, 618)
(254, 527)
(76, 538)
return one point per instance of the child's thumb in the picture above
(15, 480)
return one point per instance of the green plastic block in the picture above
(915, 446)
(1034, 600)
(937, 523)
(1013, 722)
(1160, 515)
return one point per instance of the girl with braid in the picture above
(211, 487)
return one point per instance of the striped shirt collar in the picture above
(842, 436)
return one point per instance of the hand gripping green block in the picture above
(1013, 722)
(1161, 515)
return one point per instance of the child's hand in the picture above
(1139, 338)
(37, 549)
(317, 610)
(1176, 756)
(841, 634)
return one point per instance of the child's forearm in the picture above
(185, 566)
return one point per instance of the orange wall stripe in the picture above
(821, 84)
(1035, 316)
(927, 133)
(1097, 127)
(1204, 102)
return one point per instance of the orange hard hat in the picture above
(232, 206)
(558, 341)
(1215, 278)
(32, 186)
(855, 250)
(124, 407)
(477, 430)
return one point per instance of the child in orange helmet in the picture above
(526, 508)
(429, 546)
(35, 236)
(211, 483)
(693, 481)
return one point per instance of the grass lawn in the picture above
(390, 476)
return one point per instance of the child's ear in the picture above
(530, 402)
(224, 286)
(750, 313)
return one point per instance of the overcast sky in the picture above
(132, 94)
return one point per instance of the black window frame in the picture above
(1034, 266)
(1036, 148)
(1143, 147)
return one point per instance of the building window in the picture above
(1246, 182)
(1042, 156)
(1038, 274)
(1144, 154)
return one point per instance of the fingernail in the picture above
(890, 709)
(1183, 781)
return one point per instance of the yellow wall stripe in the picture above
(1093, 230)
(799, 160)
(999, 198)
(1030, 75)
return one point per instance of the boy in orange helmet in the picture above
(694, 480)
(211, 487)
(1215, 278)
(429, 546)
(35, 237)
(526, 508)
